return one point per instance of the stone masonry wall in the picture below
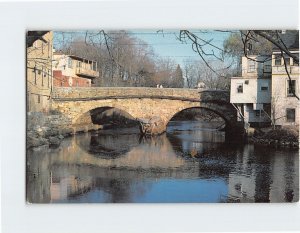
(93, 92)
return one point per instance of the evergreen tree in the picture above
(178, 78)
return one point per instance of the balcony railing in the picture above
(87, 72)
(281, 69)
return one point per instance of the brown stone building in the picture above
(73, 71)
(39, 45)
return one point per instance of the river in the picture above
(190, 163)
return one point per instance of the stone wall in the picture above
(102, 92)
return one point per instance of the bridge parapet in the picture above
(214, 95)
(107, 92)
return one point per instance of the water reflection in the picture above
(190, 163)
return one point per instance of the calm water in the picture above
(190, 163)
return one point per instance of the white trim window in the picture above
(290, 114)
(291, 87)
(251, 66)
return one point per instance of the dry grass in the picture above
(284, 134)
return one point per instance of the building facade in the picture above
(251, 93)
(285, 83)
(73, 71)
(268, 91)
(39, 46)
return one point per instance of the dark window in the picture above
(257, 113)
(277, 60)
(246, 81)
(287, 60)
(290, 115)
(291, 87)
(39, 99)
(264, 88)
(240, 88)
(267, 68)
(94, 66)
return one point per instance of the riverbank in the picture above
(284, 137)
(46, 129)
(49, 129)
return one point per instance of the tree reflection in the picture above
(123, 167)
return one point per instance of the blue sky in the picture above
(166, 44)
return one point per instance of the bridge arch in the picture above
(89, 116)
(226, 119)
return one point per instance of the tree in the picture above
(123, 60)
(178, 80)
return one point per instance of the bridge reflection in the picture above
(125, 168)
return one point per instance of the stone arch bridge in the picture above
(79, 104)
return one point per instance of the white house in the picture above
(251, 93)
(285, 106)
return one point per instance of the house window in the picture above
(251, 66)
(94, 66)
(278, 60)
(291, 87)
(257, 113)
(70, 63)
(239, 88)
(290, 115)
(61, 83)
(79, 64)
(267, 68)
(247, 82)
(287, 60)
(39, 99)
(264, 88)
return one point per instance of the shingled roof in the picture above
(290, 39)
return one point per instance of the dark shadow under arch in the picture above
(226, 120)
